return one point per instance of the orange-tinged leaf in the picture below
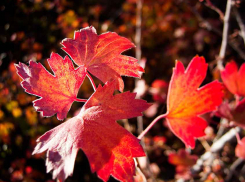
(57, 91)
(186, 101)
(240, 149)
(233, 79)
(101, 55)
(182, 158)
(109, 147)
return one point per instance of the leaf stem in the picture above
(151, 125)
(237, 99)
(238, 138)
(91, 80)
(81, 100)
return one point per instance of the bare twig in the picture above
(233, 168)
(216, 147)
(223, 124)
(240, 23)
(208, 26)
(138, 51)
(138, 57)
(230, 135)
(211, 6)
(138, 29)
(224, 35)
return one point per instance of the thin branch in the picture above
(151, 125)
(91, 80)
(211, 6)
(138, 29)
(138, 51)
(138, 57)
(216, 147)
(224, 35)
(233, 169)
(240, 23)
(222, 127)
(230, 135)
(209, 27)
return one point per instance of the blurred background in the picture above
(170, 30)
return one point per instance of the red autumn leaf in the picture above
(101, 55)
(240, 149)
(57, 91)
(183, 161)
(182, 158)
(109, 147)
(159, 89)
(233, 79)
(233, 113)
(186, 101)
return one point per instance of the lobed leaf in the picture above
(101, 55)
(57, 91)
(109, 147)
(233, 79)
(186, 101)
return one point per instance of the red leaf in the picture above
(183, 161)
(186, 101)
(109, 147)
(182, 158)
(57, 91)
(159, 89)
(233, 79)
(240, 149)
(233, 113)
(101, 55)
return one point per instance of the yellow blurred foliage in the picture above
(17, 112)
(5, 128)
(31, 115)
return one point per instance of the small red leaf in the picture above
(233, 113)
(183, 161)
(57, 91)
(186, 101)
(240, 149)
(101, 55)
(233, 79)
(109, 147)
(182, 158)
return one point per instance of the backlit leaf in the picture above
(233, 79)
(57, 91)
(186, 101)
(101, 55)
(109, 147)
(240, 149)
